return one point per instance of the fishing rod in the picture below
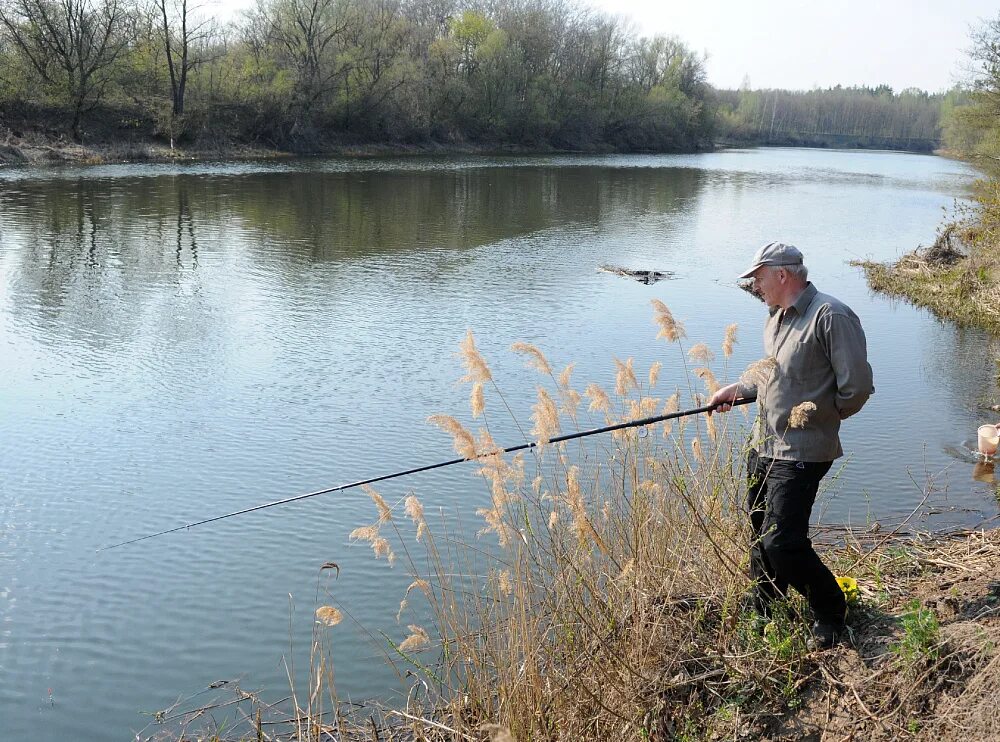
(340, 487)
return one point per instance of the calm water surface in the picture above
(179, 342)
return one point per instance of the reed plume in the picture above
(546, 417)
(624, 377)
(696, 450)
(599, 400)
(383, 548)
(670, 328)
(328, 615)
(654, 373)
(418, 638)
(364, 533)
(640, 408)
(384, 513)
(415, 510)
(713, 433)
(672, 405)
(420, 584)
(701, 353)
(565, 374)
(475, 365)
(462, 440)
(799, 415)
(504, 582)
(758, 372)
(571, 402)
(729, 340)
(582, 525)
(496, 523)
(379, 544)
(535, 358)
(476, 401)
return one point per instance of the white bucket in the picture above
(989, 439)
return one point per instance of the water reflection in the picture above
(103, 241)
(982, 471)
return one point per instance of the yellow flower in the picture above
(849, 586)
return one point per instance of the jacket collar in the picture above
(802, 302)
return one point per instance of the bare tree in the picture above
(186, 37)
(70, 43)
(305, 33)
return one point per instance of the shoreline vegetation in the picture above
(605, 595)
(958, 276)
(39, 136)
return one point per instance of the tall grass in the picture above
(602, 598)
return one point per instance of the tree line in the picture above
(306, 74)
(300, 72)
(839, 116)
(971, 121)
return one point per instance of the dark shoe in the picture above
(824, 635)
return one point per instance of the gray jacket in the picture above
(821, 357)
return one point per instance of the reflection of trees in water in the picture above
(98, 249)
(87, 251)
(185, 229)
(338, 215)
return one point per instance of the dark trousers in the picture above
(781, 496)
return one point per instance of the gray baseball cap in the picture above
(774, 253)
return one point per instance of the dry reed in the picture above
(799, 415)
(654, 373)
(670, 328)
(476, 367)
(729, 340)
(535, 358)
(592, 596)
(700, 353)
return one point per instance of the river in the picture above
(180, 341)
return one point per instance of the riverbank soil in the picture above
(923, 660)
(33, 134)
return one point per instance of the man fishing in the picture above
(819, 376)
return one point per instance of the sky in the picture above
(802, 45)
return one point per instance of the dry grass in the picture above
(604, 600)
(758, 686)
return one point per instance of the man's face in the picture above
(767, 283)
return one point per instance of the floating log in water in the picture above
(646, 276)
